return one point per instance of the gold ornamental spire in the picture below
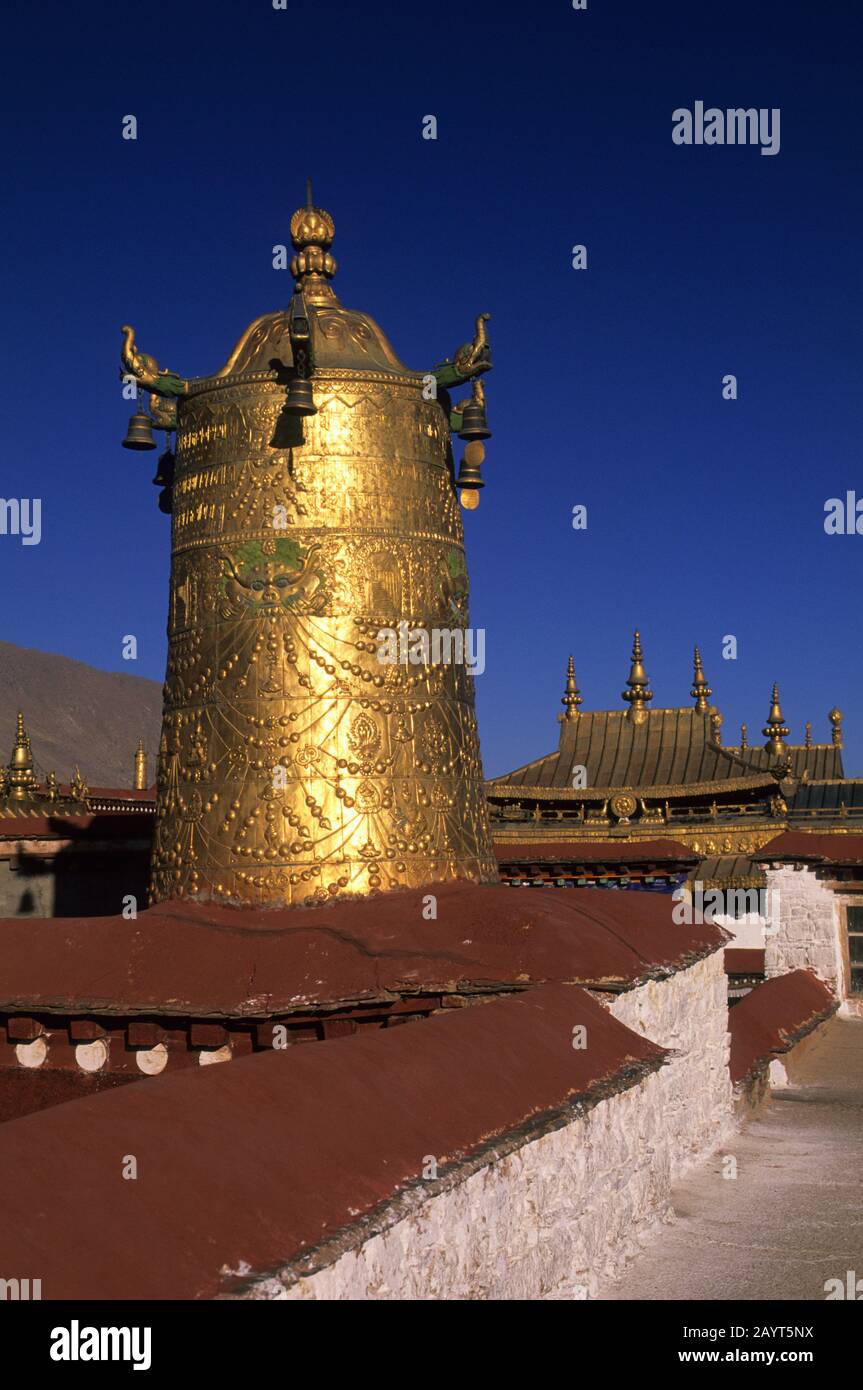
(139, 781)
(807, 741)
(835, 717)
(312, 232)
(639, 692)
(700, 691)
(775, 730)
(78, 789)
(572, 696)
(22, 779)
(744, 737)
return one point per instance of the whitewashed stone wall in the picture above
(553, 1219)
(748, 931)
(688, 1013)
(558, 1216)
(809, 927)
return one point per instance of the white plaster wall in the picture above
(551, 1220)
(748, 931)
(809, 927)
(689, 1014)
(562, 1214)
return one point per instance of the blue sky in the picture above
(705, 516)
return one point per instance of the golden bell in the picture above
(139, 435)
(300, 399)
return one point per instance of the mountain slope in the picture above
(76, 714)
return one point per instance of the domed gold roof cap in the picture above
(341, 338)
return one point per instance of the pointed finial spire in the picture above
(775, 730)
(22, 779)
(139, 781)
(700, 691)
(744, 737)
(312, 232)
(807, 741)
(572, 695)
(78, 789)
(639, 692)
(835, 717)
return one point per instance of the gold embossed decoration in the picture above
(623, 806)
(294, 763)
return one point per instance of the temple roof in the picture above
(672, 748)
(828, 795)
(666, 750)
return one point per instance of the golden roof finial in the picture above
(638, 693)
(835, 717)
(22, 779)
(78, 789)
(716, 726)
(700, 691)
(775, 730)
(744, 737)
(139, 780)
(572, 696)
(312, 232)
(807, 741)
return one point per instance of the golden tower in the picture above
(296, 764)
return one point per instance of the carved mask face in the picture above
(264, 577)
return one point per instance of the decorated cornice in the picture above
(515, 791)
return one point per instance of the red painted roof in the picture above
(772, 1017)
(800, 846)
(744, 960)
(595, 851)
(252, 1164)
(205, 960)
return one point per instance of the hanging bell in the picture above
(165, 469)
(300, 400)
(139, 435)
(469, 475)
(473, 422)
